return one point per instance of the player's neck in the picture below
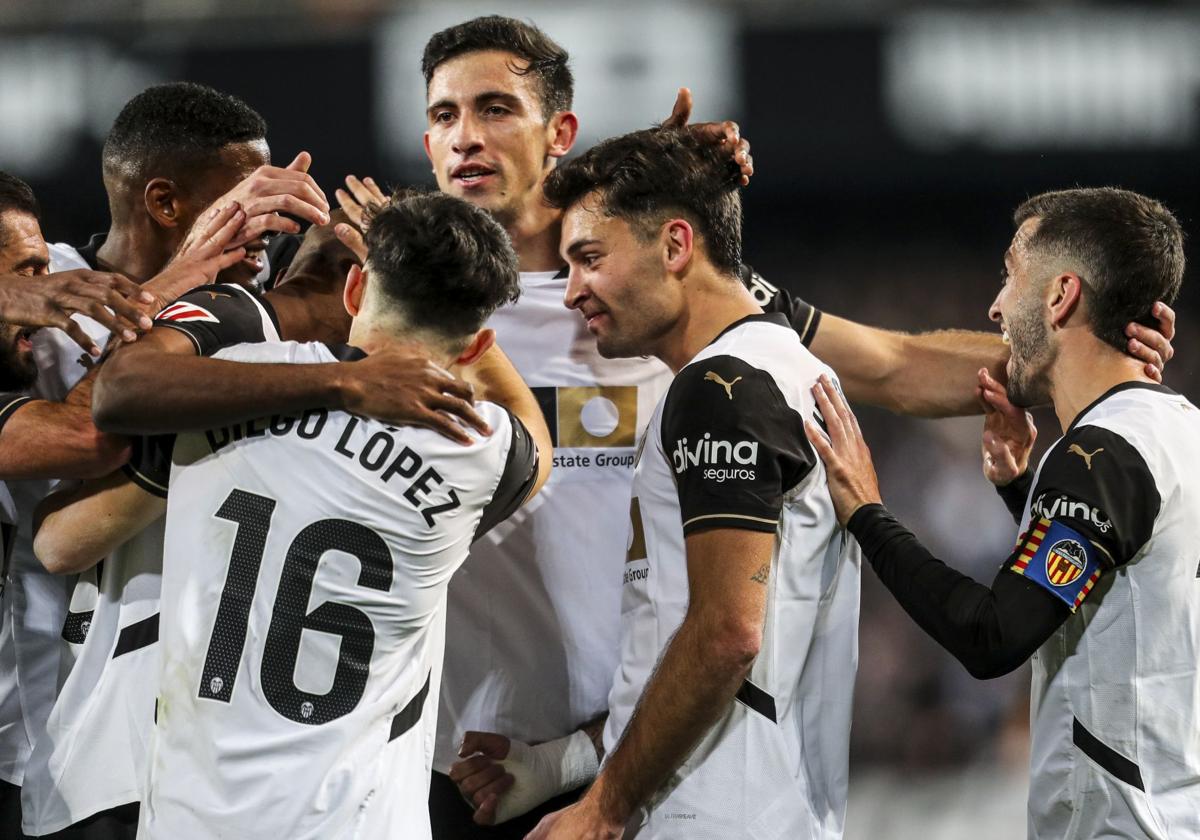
(132, 251)
(371, 338)
(535, 235)
(713, 303)
(1084, 371)
(310, 309)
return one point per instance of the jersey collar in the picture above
(776, 318)
(346, 352)
(88, 251)
(1120, 386)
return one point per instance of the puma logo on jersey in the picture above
(728, 386)
(183, 311)
(1086, 456)
(215, 295)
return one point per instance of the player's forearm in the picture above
(75, 529)
(928, 374)
(991, 631)
(57, 440)
(156, 393)
(691, 689)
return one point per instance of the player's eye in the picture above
(495, 111)
(443, 116)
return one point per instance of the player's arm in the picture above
(44, 439)
(932, 374)
(75, 529)
(992, 630)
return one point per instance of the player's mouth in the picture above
(472, 175)
(24, 342)
(255, 259)
(595, 319)
(1004, 334)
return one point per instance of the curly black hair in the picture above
(446, 264)
(544, 58)
(177, 127)
(649, 176)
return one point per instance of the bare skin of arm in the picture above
(693, 685)
(46, 439)
(75, 529)
(936, 374)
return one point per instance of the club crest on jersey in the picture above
(183, 311)
(1065, 562)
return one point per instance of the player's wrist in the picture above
(542, 771)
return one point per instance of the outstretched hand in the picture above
(1008, 433)
(726, 134)
(115, 302)
(851, 475)
(359, 199)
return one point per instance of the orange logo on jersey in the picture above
(1065, 562)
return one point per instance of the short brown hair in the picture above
(1129, 249)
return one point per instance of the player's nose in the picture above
(467, 135)
(576, 292)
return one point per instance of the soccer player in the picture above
(1101, 589)
(536, 666)
(729, 710)
(307, 559)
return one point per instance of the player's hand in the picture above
(206, 251)
(270, 191)
(581, 821)
(1153, 346)
(852, 480)
(481, 779)
(397, 386)
(1008, 433)
(50, 300)
(725, 134)
(352, 238)
(359, 199)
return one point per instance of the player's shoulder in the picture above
(287, 352)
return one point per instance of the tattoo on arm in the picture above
(762, 575)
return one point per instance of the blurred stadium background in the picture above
(891, 140)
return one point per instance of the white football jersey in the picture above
(33, 612)
(303, 600)
(726, 449)
(1115, 713)
(534, 613)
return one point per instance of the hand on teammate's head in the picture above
(726, 134)
(276, 199)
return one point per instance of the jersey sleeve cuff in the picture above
(766, 523)
(144, 481)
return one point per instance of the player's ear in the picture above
(428, 151)
(677, 239)
(1064, 295)
(163, 202)
(352, 295)
(480, 343)
(562, 131)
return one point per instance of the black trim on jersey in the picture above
(88, 252)
(734, 444)
(149, 464)
(410, 714)
(563, 273)
(519, 476)
(757, 700)
(346, 352)
(803, 316)
(991, 631)
(136, 636)
(238, 313)
(9, 403)
(776, 318)
(1116, 389)
(1096, 483)
(1015, 494)
(1104, 755)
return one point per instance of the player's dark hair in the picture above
(543, 57)
(179, 128)
(1129, 249)
(15, 194)
(650, 176)
(447, 264)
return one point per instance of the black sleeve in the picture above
(735, 445)
(219, 316)
(990, 631)
(149, 464)
(9, 403)
(804, 317)
(518, 478)
(1015, 494)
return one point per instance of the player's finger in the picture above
(258, 226)
(833, 422)
(352, 209)
(845, 416)
(360, 192)
(821, 444)
(491, 744)
(681, 111)
(1153, 339)
(300, 205)
(234, 218)
(1145, 353)
(477, 781)
(301, 162)
(375, 189)
(1154, 373)
(1166, 320)
(493, 790)
(349, 236)
(461, 770)
(71, 327)
(445, 426)
(462, 409)
(485, 814)
(230, 258)
(125, 313)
